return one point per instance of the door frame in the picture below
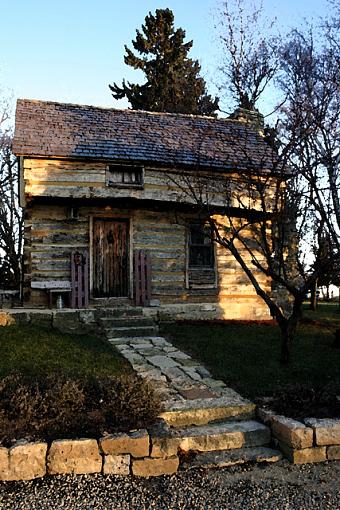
(113, 217)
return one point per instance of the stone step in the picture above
(205, 410)
(138, 340)
(129, 321)
(121, 312)
(226, 458)
(167, 441)
(119, 332)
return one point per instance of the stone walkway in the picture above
(189, 393)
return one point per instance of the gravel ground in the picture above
(280, 486)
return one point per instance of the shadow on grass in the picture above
(246, 356)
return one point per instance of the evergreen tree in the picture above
(173, 83)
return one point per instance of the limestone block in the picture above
(155, 467)
(265, 415)
(227, 458)
(4, 463)
(333, 453)
(69, 322)
(225, 436)
(74, 456)
(327, 431)
(305, 455)
(87, 316)
(116, 465)
(292, 432)
(170, 446)
(134, 443)
(43, 319)
(180, 415)
(23, 461)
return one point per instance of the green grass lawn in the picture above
(38, 351)
(246, 356)
(325, 312)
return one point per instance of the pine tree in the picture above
(173, 82)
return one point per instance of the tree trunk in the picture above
(288, 330)
(313, 298)
(286, 343)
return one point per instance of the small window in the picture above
(125, 176)
(201, 248)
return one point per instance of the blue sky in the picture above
(70, 50)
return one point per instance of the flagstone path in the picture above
(188, 391)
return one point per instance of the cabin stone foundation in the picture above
(88, 321)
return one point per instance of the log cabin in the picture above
(110, 208)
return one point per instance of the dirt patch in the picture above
(299, 402)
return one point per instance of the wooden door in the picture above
(110, 258)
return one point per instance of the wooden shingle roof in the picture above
(50, 129)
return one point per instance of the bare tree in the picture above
(263, 220)
(279, 218)
(310, 81)
(250, 55)
(11, 215)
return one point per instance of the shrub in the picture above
(301, 401)
(60, 407)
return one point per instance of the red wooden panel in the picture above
(79, 279)
(73, 281)
(148, 278)
(86, 280)
(137, 277)
(79, 286)
(142, 278)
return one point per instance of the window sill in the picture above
(202, 286)
(125, 186)
(201, 268)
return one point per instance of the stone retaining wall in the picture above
(315, 440)
(136, 453)
(118, 454)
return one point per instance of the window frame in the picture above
(124, 168)
(209, 245)
(191, 270)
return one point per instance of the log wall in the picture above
(51, 235)
(85, 179)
